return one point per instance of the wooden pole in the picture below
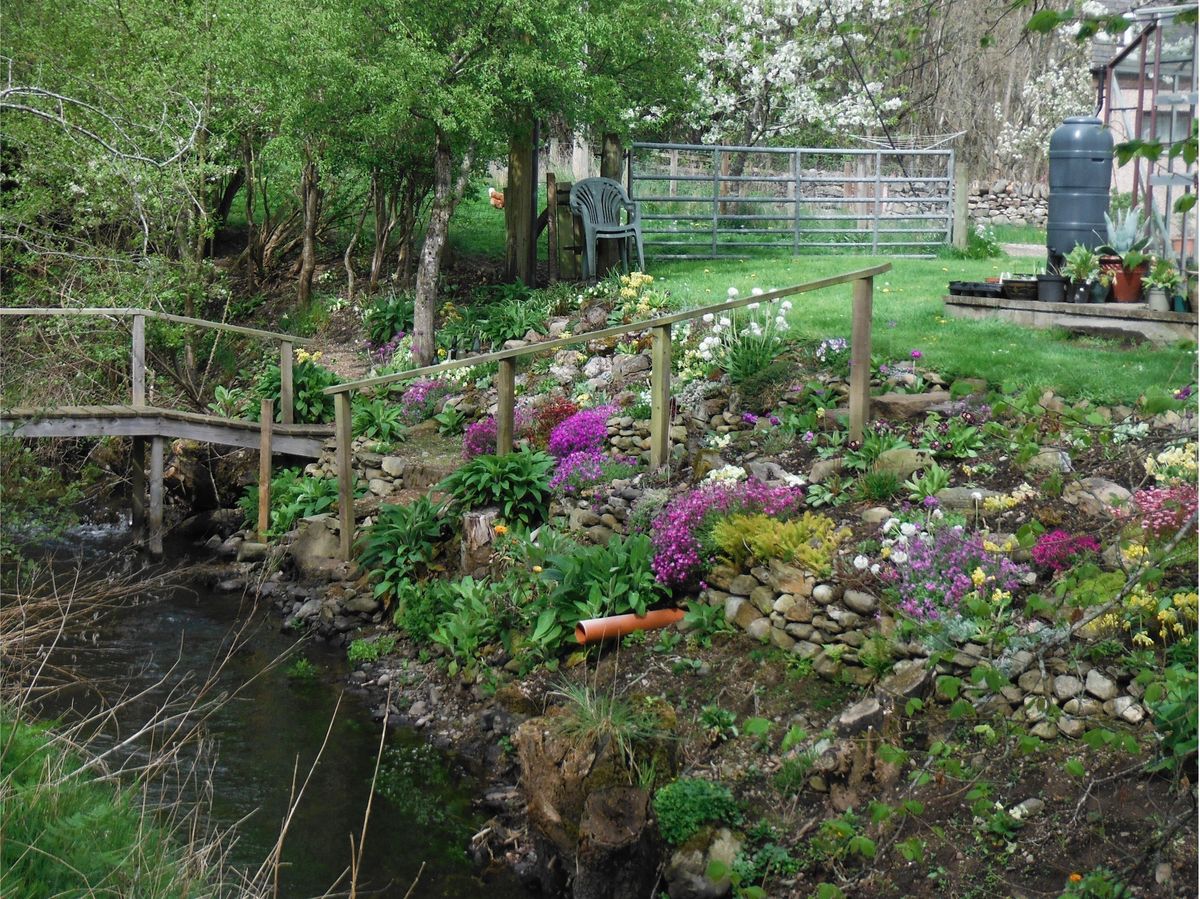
(343, 434)
(264, 469)
(552, 227)
(520, 195)
(505, 406)
(156, 496)
(138, 373)
(612, 165)
(860, 357)
(959, 226)
(660, 396)
(287, 401)
(137, 487)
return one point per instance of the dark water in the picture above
(273, 731)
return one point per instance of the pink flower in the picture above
(916, 354)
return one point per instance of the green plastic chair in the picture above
(598, 202)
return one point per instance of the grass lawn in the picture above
(908, 316)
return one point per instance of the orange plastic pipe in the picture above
(594, 629)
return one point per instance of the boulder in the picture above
(1049, 460)
(686, 872)
(860, 601)
(903, 462)
(963, 499)
(907, 405)
(825, 469)
(1100, 686)
(1096, 496)
(316, 548)
(864, 714)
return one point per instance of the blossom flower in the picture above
(732, 293)
(707, 318)
(861, 562)
(808, 437)
(915, 354)
(757, 292)
(584, 430)
(500, 530)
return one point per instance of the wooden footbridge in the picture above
(142, 422)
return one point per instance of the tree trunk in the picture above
(310, 196)
(384, 205)
(225, 204)
(348, 256)
(447, 191)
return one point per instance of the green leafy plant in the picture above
(450, 421)
(718, 723)
(401, 543)
(518, 483)
(1125, 238)
(377, 419)
(228, 402)
(477, 619)
(293, 496)
(389, 316)
(1081, 264)
(1099, 883)
(686, 805)
(1163, 275)
(877, 486)
(364, 650)
(933, 479)
(302, 670)
(421, 606)
(309, 380)
(809, 541)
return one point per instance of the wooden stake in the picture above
(137, 487)
(287, 400)
(344, 434)
(264, 469)
(138, 373)
(552, 227)
(660, 396)
(860, 357)
(505, 406)
(156, 496)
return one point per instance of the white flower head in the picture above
(908, 529)
(899, 557)
(732, 293)
(977, 496)
(756, 291)
(725, 322)
(753, 306)
(861, 562)
(786, 305)
(708, 318)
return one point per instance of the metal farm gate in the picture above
(709, 202)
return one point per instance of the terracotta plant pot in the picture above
(594, 629)
(1126, 282)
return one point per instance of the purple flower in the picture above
(749, 418)
(1183, 392)
(586, 430)
(1058, 550)
(774, 420)
(587, 468)
(930, 502)
(808, 437)
(916, 354)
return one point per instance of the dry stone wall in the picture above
(1003, 202)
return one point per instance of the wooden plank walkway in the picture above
(151, 421)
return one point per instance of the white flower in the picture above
(708, 318)
(938, 515)
(732, 293)
(725, 322)
(875, 568)
(899, 557)
(861, 562)
(890, 525)
(786, 305)
(753, 306)
(908, 529)
(977, 496)
(756, 291)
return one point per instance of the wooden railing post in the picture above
(344, 434)
(156, 496)
(506, 396)
(660, 396)
(266, 414)
(860, 357)
(138, 371)
(286, 392)
(137, 487)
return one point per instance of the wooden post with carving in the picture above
(860, 357)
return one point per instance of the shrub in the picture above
(401, 542)
(605, 580)
(593, 718)
(421, 606)
(477, 619)
(688, 804)
(808, 541)
(1058, 550)
(519, 483)
(1162, 511)
(583, 431)
(480, 438)
(551, 414)
(293, 496)
(309, 380)
(680, 528)
(420, 400)
(363, 650)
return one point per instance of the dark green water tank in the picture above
(1081, 156)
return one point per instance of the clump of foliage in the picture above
(605, 580)
(388, 316)
(809, 541)
(1058, 550)
(478, 617)
(294, 496)
(84, 831)
(582, 432)
(420, 400)
(587, 468)
(377, 419)
(593, 718)
(364, 650)
(550, 414)
(309, 380)
(518, 483)
(401, 543)
(682, 527)
(690, 803)
(421, 606)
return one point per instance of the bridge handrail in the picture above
(660, 376)
(137, 376)
(128, 311)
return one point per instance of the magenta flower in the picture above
(586, 430)
(916, 354)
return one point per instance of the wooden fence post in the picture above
(551, 228)
(660, 396)
(860, 357)
(287, 397)
(505, 406)
(137, 487)
(138, 372)
(343, 434)
(958, 227)
(266, 415)
(156, 496)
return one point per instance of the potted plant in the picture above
(1124, 256)
(1080, 267)
(1051, 286)
(1161, 284)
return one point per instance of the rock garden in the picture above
(956, 657)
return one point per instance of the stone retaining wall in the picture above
(1008, 203)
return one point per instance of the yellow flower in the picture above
(821, 412)
(441, 352)
(501, 529)
(537, 569)
(1142, 639)
(999, 595)
(1075, 877)
(978, 577)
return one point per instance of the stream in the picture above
(273, 730)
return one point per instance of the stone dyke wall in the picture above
(1003, 202)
